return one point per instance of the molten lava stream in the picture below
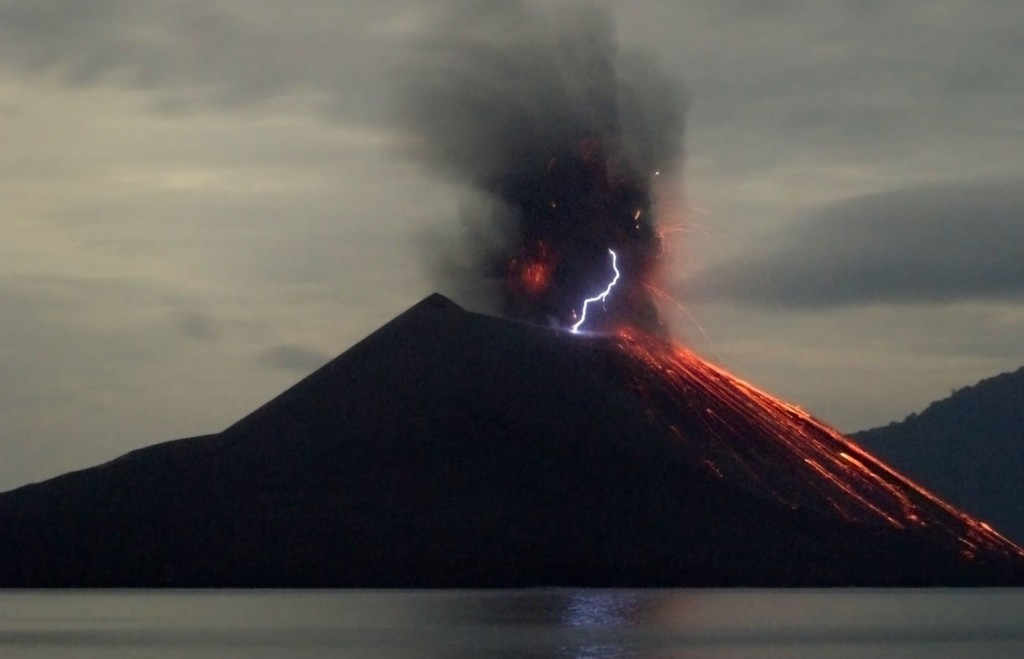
(776, 449)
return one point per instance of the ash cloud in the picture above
(560, 136)
(923, 245)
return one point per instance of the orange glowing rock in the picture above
(534, 277)
(750, 438)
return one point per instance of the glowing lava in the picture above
(599, 298)
(750, 439)
(531, 277)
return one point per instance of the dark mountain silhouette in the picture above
(454, 449)
(969, 447)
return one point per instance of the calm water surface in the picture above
(939, 624)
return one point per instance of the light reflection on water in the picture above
(567, 623)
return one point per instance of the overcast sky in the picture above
(202, 201)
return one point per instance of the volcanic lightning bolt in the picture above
(598, 298)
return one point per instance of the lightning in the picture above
(598, 298)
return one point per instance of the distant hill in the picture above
(967, 448)
(452, 449)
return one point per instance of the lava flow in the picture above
(753, 440)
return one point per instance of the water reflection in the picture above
(603, 613)
(526, 624)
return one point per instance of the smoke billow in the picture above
(561, 137)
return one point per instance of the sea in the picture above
(570, 623)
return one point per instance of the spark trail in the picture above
(598, 298)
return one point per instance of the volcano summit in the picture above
(453, 449)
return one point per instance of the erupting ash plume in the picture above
(562, 137)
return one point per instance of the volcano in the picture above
(452, 449)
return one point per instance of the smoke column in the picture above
(561, 137)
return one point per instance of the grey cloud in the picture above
(851, 80)
(61, 330)
(293, 357)
(90, 368)
(67, 348)
(843, 76)
(197, 325)
(206, 53)
(923, 245)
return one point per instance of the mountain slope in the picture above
(454, 449)
(969, 447)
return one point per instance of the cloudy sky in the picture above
(202, 201)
